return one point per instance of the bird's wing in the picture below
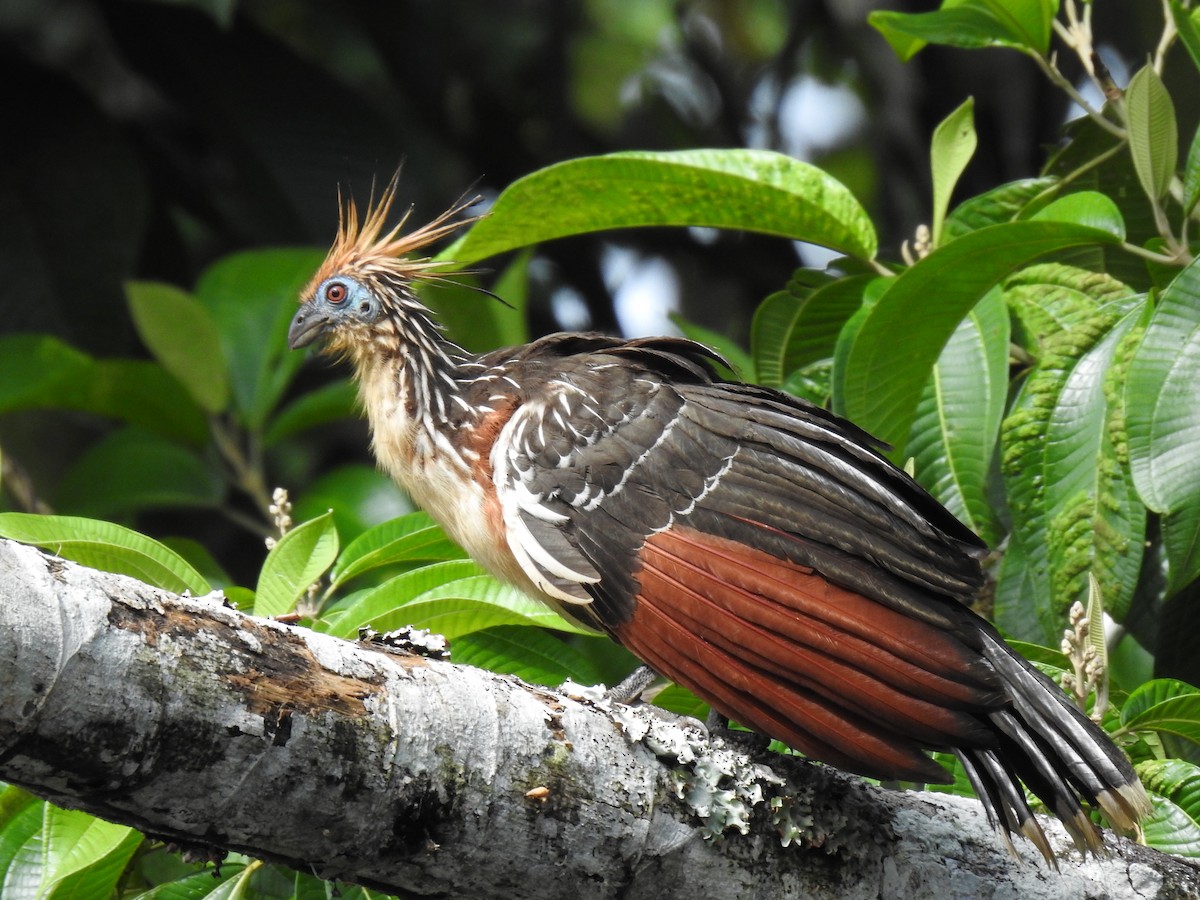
(752, 548)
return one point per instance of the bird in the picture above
(750, 546)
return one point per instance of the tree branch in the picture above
(200, 724)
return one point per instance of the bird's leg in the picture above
(750, 741)
(631, 687)
(629, 690)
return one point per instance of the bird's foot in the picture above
(628, 691)
(750, 742)
(631, 688)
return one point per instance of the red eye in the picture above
(336, 292)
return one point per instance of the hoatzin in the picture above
(748, 545)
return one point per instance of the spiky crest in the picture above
(367, 248)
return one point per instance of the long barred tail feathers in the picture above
(1051, 747)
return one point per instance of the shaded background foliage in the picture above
(144, 140)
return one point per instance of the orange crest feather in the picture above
(367, 247)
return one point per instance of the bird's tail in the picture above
(1057, 752)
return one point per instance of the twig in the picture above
(1169, 34)
(245, 467)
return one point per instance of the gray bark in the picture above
(199, 724)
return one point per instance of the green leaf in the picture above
(1175, 787)
(529, 653)
(200, 557)
(83, 856)
(183, 337)
(820, 319)
(1153, 693)
(901, 35)
(1164, 705)
(1096, 522)
(1114, 176)
(132, 469)
(1090, 208)
(969, 27)
(961, 785)
(324, 405)
(470, 605)
(1030, 22)
(794, 328)
(143, 393)
(1001, 204)
(1153, 133)
(1179, 716)
(105, 546)
(1180, 531)
(846, 339)
(957, 423)
(1191, 175)
(1070, 496)
(252, 297)
(953, 145)
(889, 359)
(452, 598)
(12, 800)
(773, 322)
(203, 885)
(1022, 586)
(39, 372)
(1163, 418)
(1130, 663)
(1048, 297)
(156, 865)
(511, 321)
(1061, 312)
(409, 539)
(360, 496)
(812, 382)
(310, 887)
(239, 885)
(21, 852)
(294, 563)
(1187, 23)
(749, 190)
(1019, 24)
(239, 597)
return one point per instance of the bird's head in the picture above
(367, 278)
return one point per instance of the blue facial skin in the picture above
(335, 301)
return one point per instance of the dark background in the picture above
(145, 139)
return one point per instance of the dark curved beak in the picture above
(307, 325)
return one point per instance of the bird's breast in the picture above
(448, 475)
(441, 483)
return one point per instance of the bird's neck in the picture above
(427, 436)
(411, 389)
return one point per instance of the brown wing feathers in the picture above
(717, 594)
(794, 603)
